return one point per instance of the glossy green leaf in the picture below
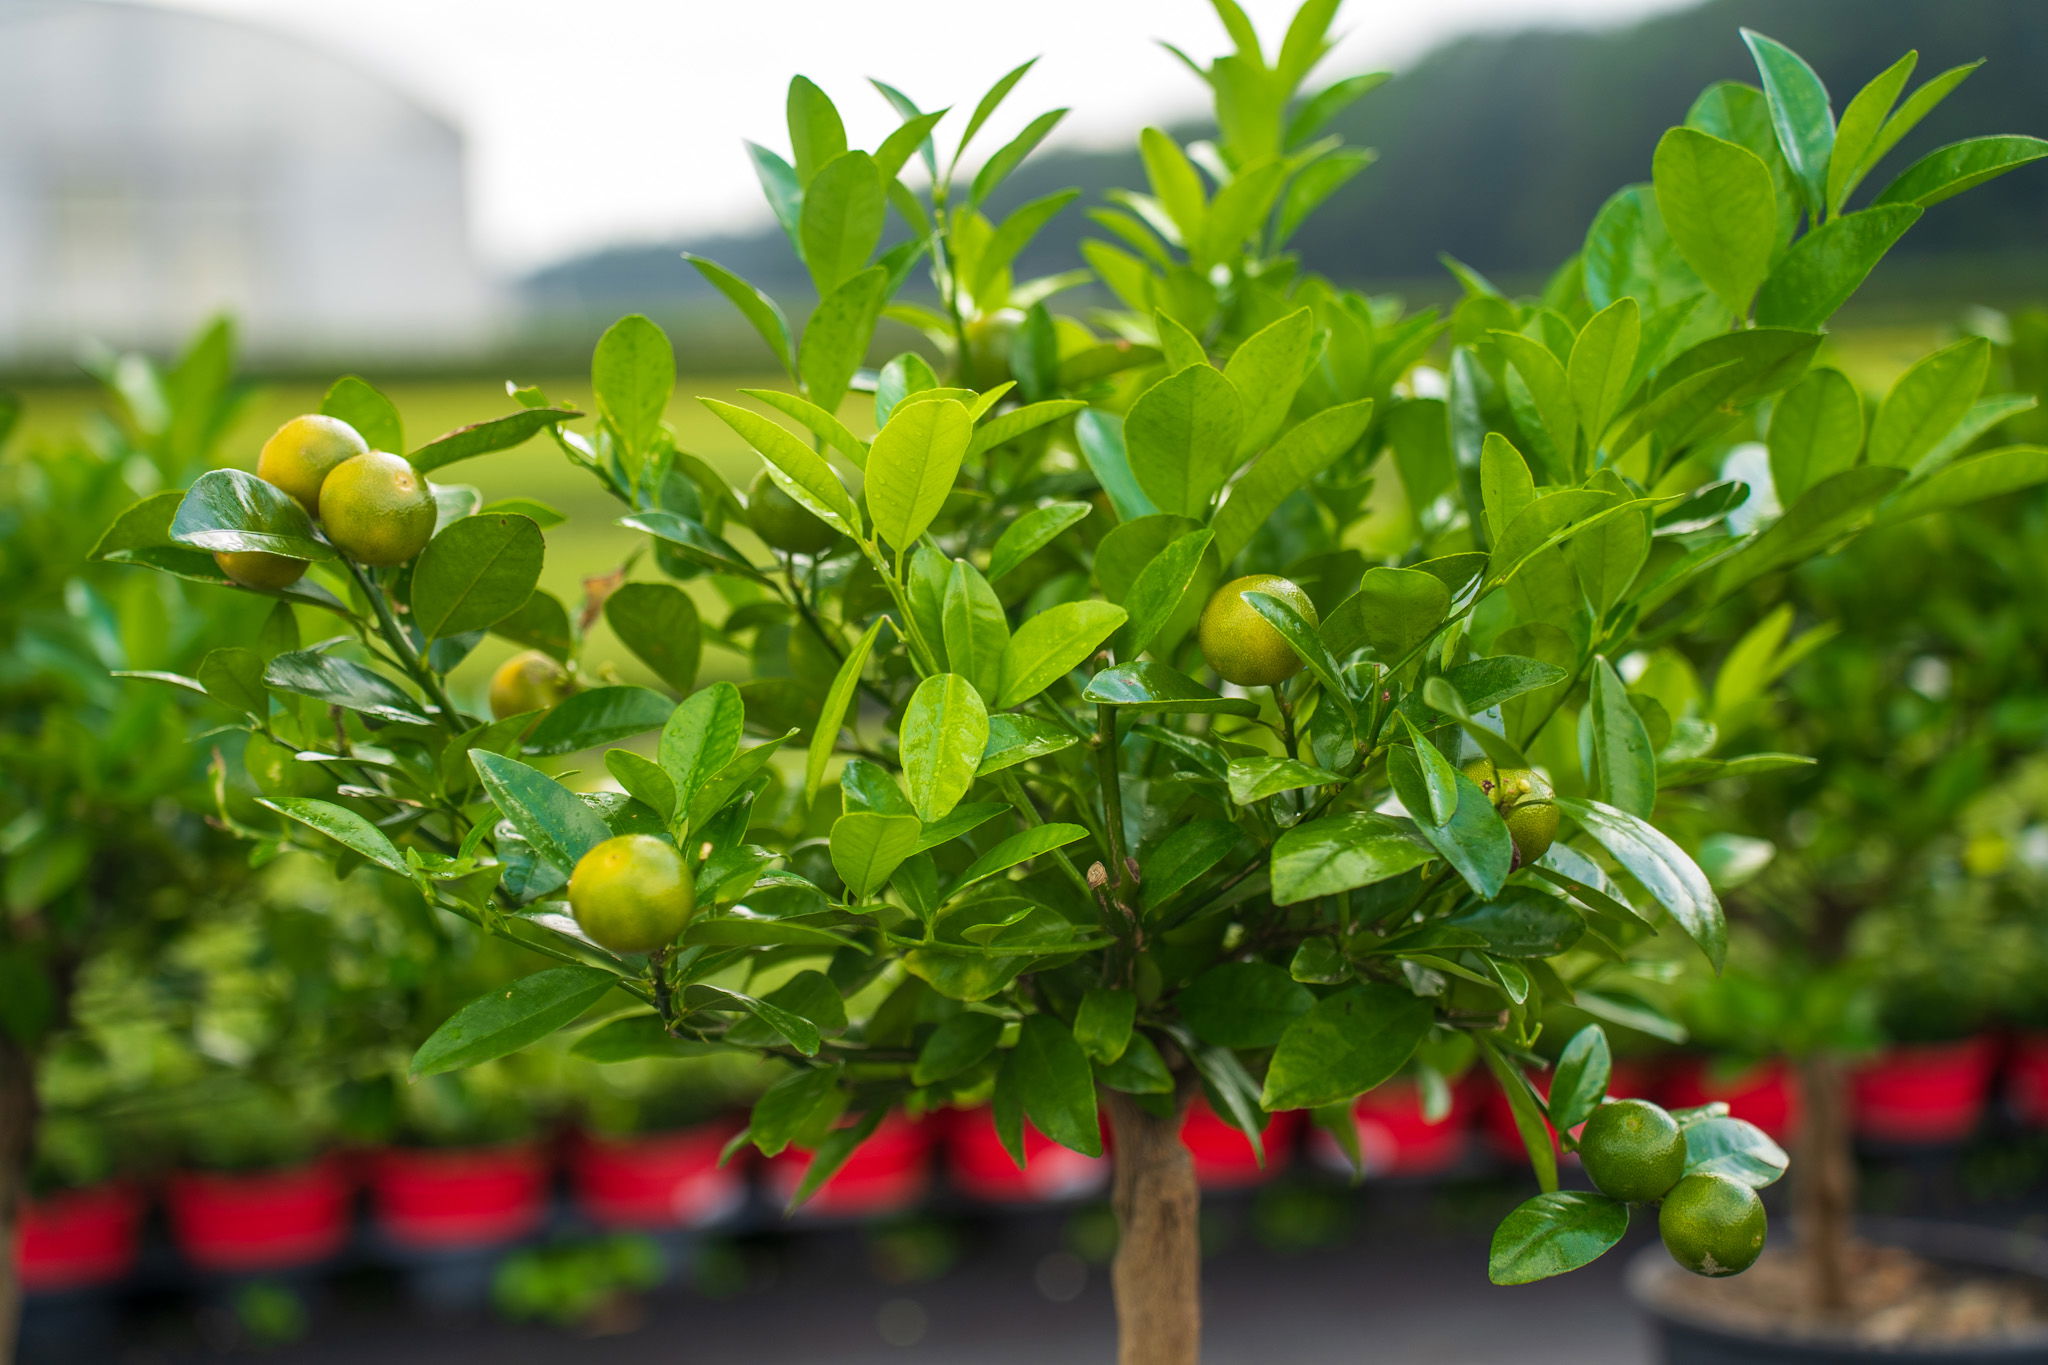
(1857, 132)
(1521, 923)
(659, 623)
(644, 780)
(838, 697)
(1661, 866)
(1624, 767)
(1602, 364)
(557, 823)
(1014, 739)
(1347, 1044)
(1580, 1082)
(1948, 171)
(504, 1020)
(598, 716)
(1182, 438)
(1828, 264)
(1301, 454)
(1391, 614)
(955, 1045)
(867, 848)
(357, 402)
(1734, 1148)
(1967, 480)
(1102, 1023)
(339, 682)
(1927, 401)
(1056, 1084)
(1340, 853)
(837, 337)
(797, 469)
(1266, 371)
(840, 222)
(1030, 533)
(1302, 638)
(912, 466)
(1800, 113)
(700, 737)
(229, 509)
(1243, 1004)
(1052, 644)
(944, 731)
(1255, 779)
(1148, 686)
(1101, 435)
(756, 307)
(1474, 841)
(1017, 849)
(975, 628)
(633, 372)
(474, 573)
(1553, 1233)
(1155, 596)
(345, 827)
(1719, 206)
(1816, 432)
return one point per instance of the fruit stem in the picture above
(395, 634)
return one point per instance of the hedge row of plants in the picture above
(1238, 687)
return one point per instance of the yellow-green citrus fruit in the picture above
(632, 894)
(1242, 645)
(300, 455)
(260, 568)
(377, 508)
(1526, 804)
(988, 348)
(531, 681)
(1632, 1150)
(1712, 1225)
(782, 522)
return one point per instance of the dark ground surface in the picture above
(1299, 1274)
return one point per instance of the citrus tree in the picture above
(1229, 688)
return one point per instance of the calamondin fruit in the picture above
(1633, 1150)
(1243, 646)
(1526, 804)
(300, 455)
(1712, 1225)
(528, 681)
(377, 509)
(632, 893)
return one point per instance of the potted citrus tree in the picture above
(1223, 694)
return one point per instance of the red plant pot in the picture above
(1764, 1093)
(1629, 1079)
(978, 1166)
(1930, 1093)
(260, 1220)
(662, 1180)
(888, 1173)
(78, 1239)
(2026, 1078)
(1395, 1140)
(456, 1198)
(1224, 1159)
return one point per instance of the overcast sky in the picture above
(598, 121)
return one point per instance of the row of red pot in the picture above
(429, 1200)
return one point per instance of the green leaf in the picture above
(506, 1020)
(1927, 401)
(1011, 154)
(1554, 1233)
(1671, 878)
(701, 736)
(1101, 435)
(1603, 363)
(1056, 1084)
(1856, 135)
(1052, 644)
(1624, 767)
(1391, 614)
(1980, 476)
(1544, 376)
(1014, 739)
(838, 697)
(1439, 778)
(644, 780)
(693, 542)
(1474, 841)
(1255, 779)
(358, 403)
(1290, 464)
(1828, 264)
(554, 820)
(474, 573)
(838, 335)
(1580, 1083)
(485, 438)
(1734, 1148)
(912, 467)
(1948, 171)
(816, 134)
(821, 423)
(944, 731)
(1522, 922)
(633, 372)
(1799, 112)
(1018, 848)
(867, 848)
(338, 682)
(792, 1106)
(740, 931)
(1182, 438)
(601, 715)
(1148, 686)
(1243, 1004)
(1266, 371)
(755, 306)
(1347, 1044)
(1030, 533)
(1528, 1112)
(1102, 1023)
(1341, 853)
(1816, 432)
(975, 628)
(1181, 858)
(840, 223)
(799, 1032)
(345, 827)
(1302, 638)
(1719, 206)
(1155, 596)
(955, 1045)
(796, 469)
(659, 623)
(229, 509)
(233, 676)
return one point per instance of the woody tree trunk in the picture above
(1824, 1183)
(17, 1143)
(1158, 1270)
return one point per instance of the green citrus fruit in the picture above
(632, 894)
(1712, 1225)
(782, 522)
(988, 348)
(1632, 1150)
(260, 568)
(1526, 804)
(300, 455)
(1242, 645)
(531, 681)
(377, 508)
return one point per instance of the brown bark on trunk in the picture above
(17, 1144)
(1824, 1183)
(1158, 1270)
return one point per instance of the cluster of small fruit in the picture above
(1635, 1151)
(373, 505)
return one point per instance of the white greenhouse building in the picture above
(157, 166)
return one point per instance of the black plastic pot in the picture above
(1685, 1338)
